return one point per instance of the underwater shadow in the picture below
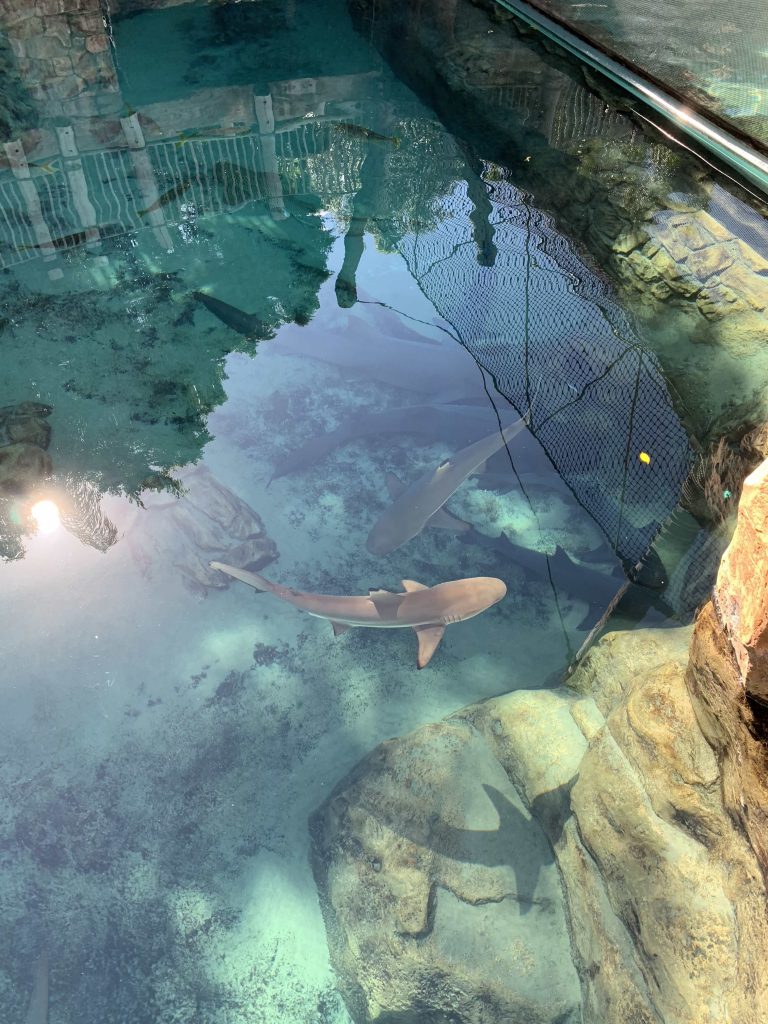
(491, 848)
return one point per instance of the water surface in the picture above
(166, 734)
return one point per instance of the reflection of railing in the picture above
(151, 185)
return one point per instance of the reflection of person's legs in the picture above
(363, 208)
(346, 288)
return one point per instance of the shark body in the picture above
(421, 503)
(455, 424)
(427, 610)
(427, 366)
(577, 579)
(248, 324)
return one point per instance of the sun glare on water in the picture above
(46, 515)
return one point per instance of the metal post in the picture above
(20, 168)
(266, 121)
(145, 179)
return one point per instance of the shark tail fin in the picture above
(429, 638)
(251, 578)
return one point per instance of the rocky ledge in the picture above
(591, 853)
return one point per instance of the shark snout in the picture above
(491, 590)
(466, 598)
(378, 543)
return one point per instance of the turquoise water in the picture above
(388, 293)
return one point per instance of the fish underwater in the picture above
(48, 167)
(356, 131)
(421, 503)
(247, 324)
(427, 610)
(577, 579)
(444, 370)
(63, 242)
(456, 424)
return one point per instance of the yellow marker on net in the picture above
(645, 458)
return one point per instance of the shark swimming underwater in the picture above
(443, 369)
(249, 325)
(453, 424)
(427, 610)
(421, 503)
(578, 579)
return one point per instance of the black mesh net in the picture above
(547, 330)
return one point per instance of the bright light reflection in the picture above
(46, 515)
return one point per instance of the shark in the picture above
(459, 424)
(421, 503)
(579, 580)
(249, 325)
(426, 366)
(426, 610)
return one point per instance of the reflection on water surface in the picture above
(254, 291)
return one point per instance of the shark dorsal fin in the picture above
(411, 586)
(429, 637)
(395, 485)
(385, 602)
(560, 557)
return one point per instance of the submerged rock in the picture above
(626, 776)
(439, 890)
(207, 522)
(25, 423)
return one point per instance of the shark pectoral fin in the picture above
(339, 628)
(411, 585)
(429, 637)
(395, 485)
(444, 520)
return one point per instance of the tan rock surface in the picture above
(741, 592)
(439, 891)
(638, 785)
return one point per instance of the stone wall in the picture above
(63, 55)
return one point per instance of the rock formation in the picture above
(741, 594)
(647, 779)
(207, 522)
